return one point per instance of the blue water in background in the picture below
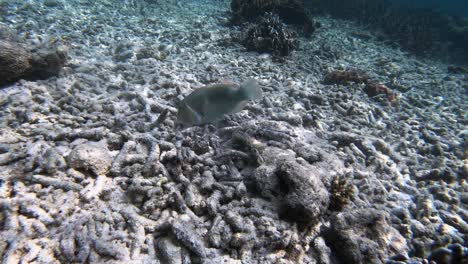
(451, 7)
(431, 28)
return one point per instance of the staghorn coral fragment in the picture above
(179, 203)
(193, 199)
(186, 234)
(95, 188)
(13, 154)
(234, 154)
(94, 134)
(249, 144)
(56, 183)
(52, 161)
(213, 202)
(117, 164)
(219, 234)
(76, 175)
(67, 246)
(33, 252)
(149, 242)
(109, 248)
(150, 225)
(152, 164)
(138, 242)
(37, 212)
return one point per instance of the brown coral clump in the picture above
(270, 35)
(375, 89)
(346, 77)
(14, 61)
(340, 194)
(17, 61)
(372, 88)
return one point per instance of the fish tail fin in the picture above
(250, 90)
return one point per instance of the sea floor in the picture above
(93, 169)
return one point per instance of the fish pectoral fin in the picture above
(205, 106)
(239, 107)
(204, 112)
(197, 117)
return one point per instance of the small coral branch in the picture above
(340, 194)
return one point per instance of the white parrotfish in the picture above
(212, 102)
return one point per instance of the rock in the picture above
(454, 253)
(323, 251)
(441, 256)
(296, 187)
(53, 161)
(18, 62)
(90, 157)
(14, 62)
(363, 236)
(168, 251)
(123, 52)
(311, 155)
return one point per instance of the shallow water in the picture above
(355, 154)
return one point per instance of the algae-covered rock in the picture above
(14, 61)
(18, 61)
(297, 187)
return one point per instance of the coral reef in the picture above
(290, 11)
(270, 35)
